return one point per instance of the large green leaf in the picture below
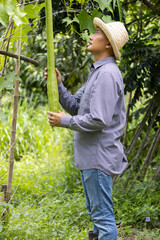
(105, 4)
(107, 19)
(9, 81)
(10, 6)
(19, 17)
(19, 21)
(21, 31)
(33, 10)
(4, 18)
(96, 13)
(8, 9)
(86, 21)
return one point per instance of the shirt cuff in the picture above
(65, 121)
(60, 86)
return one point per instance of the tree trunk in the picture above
(139, 129)
(127, 119)
(147, 161)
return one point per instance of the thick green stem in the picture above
(52, 89)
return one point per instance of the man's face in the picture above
(98, 42)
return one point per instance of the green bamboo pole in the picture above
(52, 88)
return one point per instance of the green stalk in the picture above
(52, 88)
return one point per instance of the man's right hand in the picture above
(58, 75)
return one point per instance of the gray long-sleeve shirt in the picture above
(98, 118)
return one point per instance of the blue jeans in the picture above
(98, 196)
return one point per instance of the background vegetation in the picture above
(47, 197)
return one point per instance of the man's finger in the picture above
(50, 113)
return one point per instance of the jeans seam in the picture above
(98, 176)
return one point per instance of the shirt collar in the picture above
(102, 62)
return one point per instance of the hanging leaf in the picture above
(10, 6)
(19, 21)
(114, 4)
(86, 21)
(96, 13)
(21, 29)
(32, 10)
(85, 36)
(119, 9)
(8, 83)
(4, 18)
(67, 20)
(105, 4)
(107, 19)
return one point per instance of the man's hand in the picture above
(58, 75)
(55, 118)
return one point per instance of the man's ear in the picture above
(108, 45)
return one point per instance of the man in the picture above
(98, 119)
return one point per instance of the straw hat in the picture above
(116, 34)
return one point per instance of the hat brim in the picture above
(99, 23)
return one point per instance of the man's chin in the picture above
(89, 48)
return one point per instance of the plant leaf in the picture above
(4, 18)
(86, 21)
(85, 36)
(105, 4)
(114, 4)
(3, 117)
(10, 6)
(81, 1)
(107, 19)
(32, 10)
(9, 81)
(6, 204)
(96, 13)
(119, 9)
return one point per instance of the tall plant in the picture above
(52, 88)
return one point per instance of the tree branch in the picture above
(26, 59)
(148, 4)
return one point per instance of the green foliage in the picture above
(70, 48)
(47, 200)
(9, 8)
(133, 207)
(141, 54)
(145, 74)
(8, 81)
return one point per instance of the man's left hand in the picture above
(55, 118)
